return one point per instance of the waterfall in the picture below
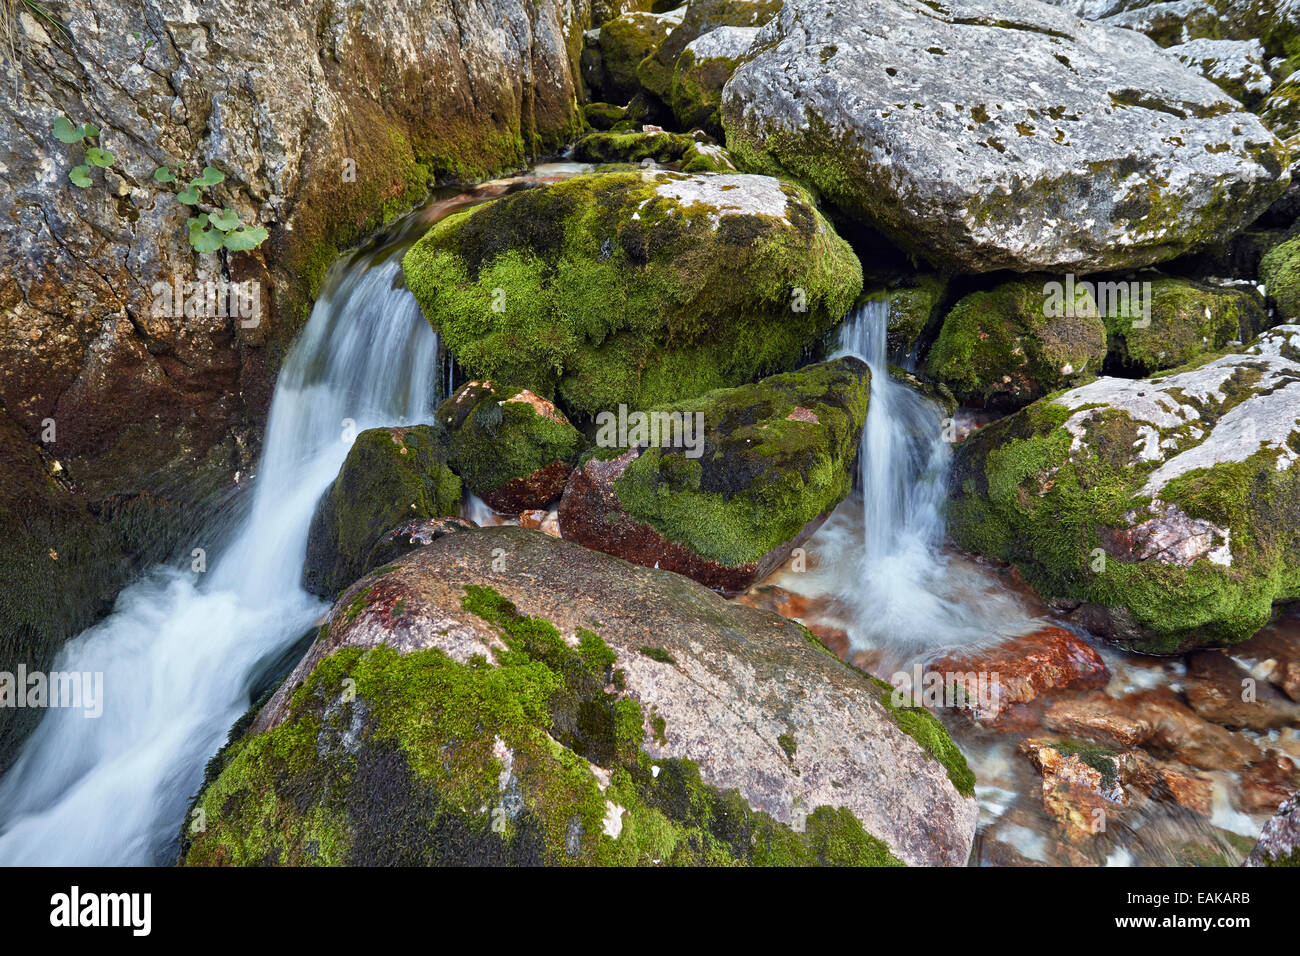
(905, 592)
(182, 651)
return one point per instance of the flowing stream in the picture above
(902, 591)
(182, 651)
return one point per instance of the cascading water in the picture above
(887, 560)
(181, 651)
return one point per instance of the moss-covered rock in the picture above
(602, 116)
(689, 153)
(1279, 271)
(721, 487)
(1172, 321)
(511, 448)
(656, 71)
(1005, 347)
(503, 697)
(1161, 513)
(391, 475)
(634, 287)
(623, 43)
(702, 71)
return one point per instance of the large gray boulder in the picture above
(1006, 135)
(504, 696)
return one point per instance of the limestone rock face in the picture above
(999, 135)
(323, 118)
(520, 698)
(1163, 512)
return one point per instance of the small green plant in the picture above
(211, 231)
(208, 232)
(94, 155)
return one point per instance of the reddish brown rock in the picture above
(1263, 787)
(1223, 692)
(1274, 653)
(1025, 668)
(1098, 717)
(1187, 737)
(591, 514)
(1081, 788)
(524, 494)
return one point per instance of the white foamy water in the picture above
(181, 651)
(881, 554)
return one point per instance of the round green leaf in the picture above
(88, 130)
(164, 175)
(205, 240)
(80, 176)
(65, 132)
(225, 220)
(99, 157)
(244, 238)
(189, 196)
(210, 177)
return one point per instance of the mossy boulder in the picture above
(1279, 843)
(1007, 346)
(1172, 321)
(391, 475)
(504, 697)
(623, 43)
(1279, 271)
(1160, 513)
(702, 71)
(689, 153)
(721, 488)
(510, 447)
(634, 287)
(602, 116)
(656, 71)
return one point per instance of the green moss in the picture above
(1001, 348)
(914, 312)
(696, 91)
(1172, 321)
(435, 762)
(788, 744)
(1020, 493)
(603, 116)
(600, 292)
(1280, 272)
(624, 43)
(762, 475)
(391, 475)
(658, 654)
(923, 727)
(495, 439)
